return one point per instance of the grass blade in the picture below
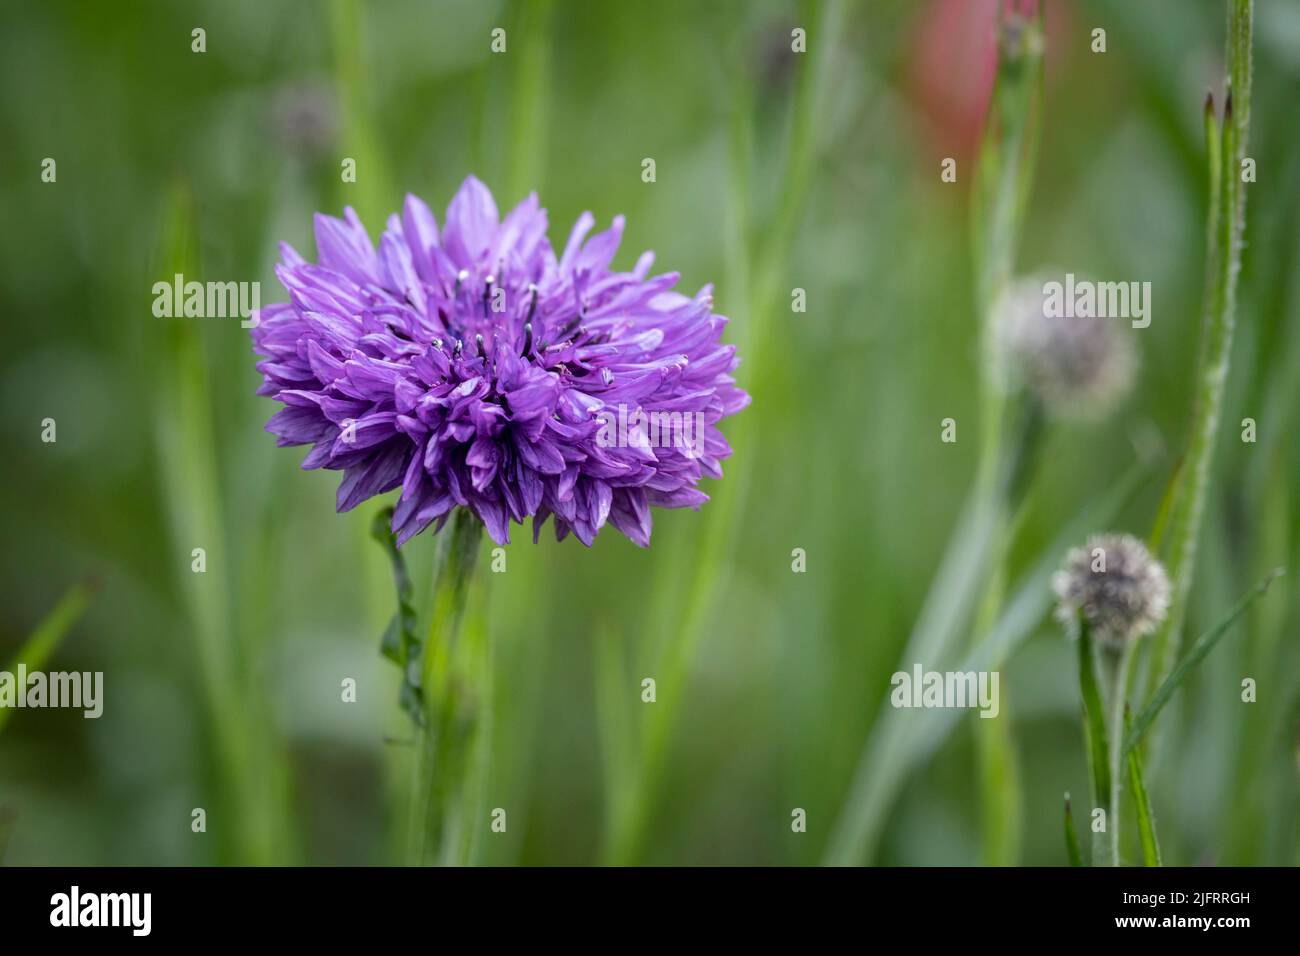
(1146, 823)
(530, 99)
(1005, 176)
(1226, 145)
(897, 746)
(709, 559)
(36, 650)
(372, 192)
(1168, 501)
(1204, 644)
(245, 741)
(1071, 838)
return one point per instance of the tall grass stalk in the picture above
(1266, 482)
(371, 195)
(506, 750)
(902, 741)
(530, 98)
(762, 266)
(245, 743)
(1008, 154)
(1226, 145)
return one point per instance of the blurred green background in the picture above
(775, 171)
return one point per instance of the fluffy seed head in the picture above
(1078, 367)
(472, 367)
(1119, 588)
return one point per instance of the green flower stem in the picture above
(1094, 735)
(1226, 147)
(447, 697)
(997, 766)
(1005, 177)
(1007, 156)
(466, 820)
(1115, 671)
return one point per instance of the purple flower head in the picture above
(469, 366)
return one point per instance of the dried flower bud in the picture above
(1118, 587)
(1078, 367)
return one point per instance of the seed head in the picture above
(1118, 587)
(1078, 367)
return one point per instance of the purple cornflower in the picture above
(470, 366)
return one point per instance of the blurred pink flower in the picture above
(954, 59)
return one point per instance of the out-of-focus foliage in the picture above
(843, 457)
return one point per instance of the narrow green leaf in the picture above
(401, 640)
(1204, 644)
(43, 641)
(1071, 838)
(709, 560)
(247, 752)
(1094, 723)
(896, 747)
(1168, 502)
(1146, 823)
(390, 645)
